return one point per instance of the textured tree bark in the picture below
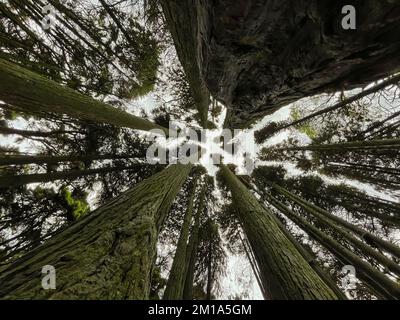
(177, 275)
(285, 273)
(191, 252)
(108, 254)
(257, 56)
(182, 18)
(30, 92)
(19, 180)
(27, 159)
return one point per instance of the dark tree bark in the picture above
(19, 180)
(108, 254)
(24, 159)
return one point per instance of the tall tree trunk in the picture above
(308, 256)
(108, 254)
(284, 271)
(192, 248)
(384, 144)
(30, 133)
(373, 277)
(39, 159)
(367, 236)
(31, 92)
(209, 266)
(19, 180)
(177, 275)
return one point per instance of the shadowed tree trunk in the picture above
(19, 180)
(30, 133)
(384, 144)
(39, 159)
(191, 252)
(262, 134)
(373, 277)
(177, 275)
(31, 93)
(108, 254)
(285, 273)
(367, 236)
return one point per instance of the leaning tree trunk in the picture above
(177, 275)
(372, 277)
(30, 92)
(285, 273)
(367, 236)
(262, 134)
(106, 255)
(22, 179)
(191, 251)
(42, 159)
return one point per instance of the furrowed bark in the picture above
(31, 92)
(285, 273)
(177, 275)
(108, 254)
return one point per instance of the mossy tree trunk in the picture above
(284, 271)
(31, 93)
(177, 275)
(191, 252)
(106, 255)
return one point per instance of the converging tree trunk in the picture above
(32, 93)
(177, 275)
(374, 278)
(108, 254)
(285, 273)
(191, 252)
(39, 159)
(19, 180)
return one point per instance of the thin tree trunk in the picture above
(27, 159)
(339, 105)
(31, 92)
(23, 179)
(192, 248)
(209, 266)
(177, 275)
(284, 271)
(108, 254)
(29, 133)
(367, 236)
(385, 144)
(365, 271)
